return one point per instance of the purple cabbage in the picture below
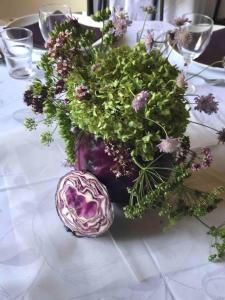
(83, 204)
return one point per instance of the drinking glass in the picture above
(50, 15)
(193, 37)
(17, 45)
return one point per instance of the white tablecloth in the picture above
(39, 260)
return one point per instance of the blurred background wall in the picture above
(10, 9)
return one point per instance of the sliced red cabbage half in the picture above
(83, 204)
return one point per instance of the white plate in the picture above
(31, 19)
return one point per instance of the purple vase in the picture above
(90, 156)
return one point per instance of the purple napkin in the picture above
(215, 50)
(39, 41)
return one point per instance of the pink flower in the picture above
(182, 37)
(180, 81)
(139, 101)
(148, 41)
(168, 145)
(120, 21)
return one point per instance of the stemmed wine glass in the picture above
(50, 15)
(193, 37)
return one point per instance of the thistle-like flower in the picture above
(221, 135)
(168, 145)
(120, 21)
(81, 92)
(207, 104)
(140, 100)
(182, 37)
(180, 81)
(180, 21)
(148, 40)
(149, 9)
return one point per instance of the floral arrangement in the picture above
(122, 113)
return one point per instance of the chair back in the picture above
(91, 8)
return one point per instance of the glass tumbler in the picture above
(17, 45)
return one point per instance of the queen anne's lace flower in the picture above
(168, 145)
(207, 104)
(139, 101)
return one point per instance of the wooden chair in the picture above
(220, 21)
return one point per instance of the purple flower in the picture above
(139, 101)
(205, 162)
(148, 40)
(59, 86)
(196, 167)
(81, 92)
(207, 158)
(180, 21)
(221, 135)
(120, 21)
(180, 81)
(168, 145)
(207, 104)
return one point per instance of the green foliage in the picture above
(46, 138)
(113, 77)
(218, 234)
(124, 72)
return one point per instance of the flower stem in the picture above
(215, 62)
(203, 125)
(138, 164)
(158, 125)
(143, 27)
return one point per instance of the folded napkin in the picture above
(39, 41)
(215, 50)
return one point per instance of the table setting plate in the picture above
(31, 22)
